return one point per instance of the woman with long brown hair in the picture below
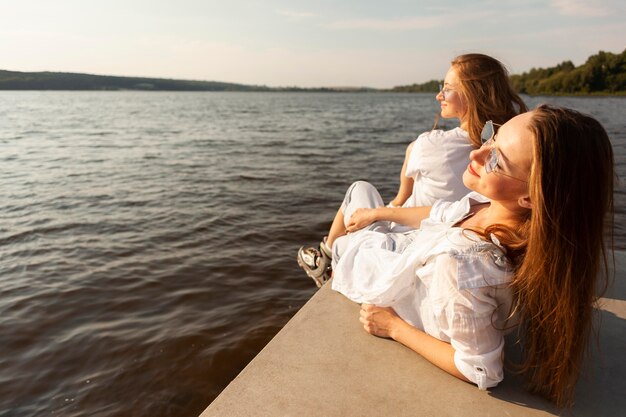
(556, 283)
(525, 247)
(476, 88)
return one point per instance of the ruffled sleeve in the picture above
(471, 301)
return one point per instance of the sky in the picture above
(321, 43)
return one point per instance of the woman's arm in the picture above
(384, 322)
(410, 216)
(406, 183)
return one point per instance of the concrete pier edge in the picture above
(322, 363)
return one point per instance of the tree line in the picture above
(602, 73)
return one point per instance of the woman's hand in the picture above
(384, 322)
(361, 218)
(379, 321)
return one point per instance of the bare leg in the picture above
(337, 229)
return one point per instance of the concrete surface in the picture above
(322, 363)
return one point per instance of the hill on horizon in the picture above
(46, 80)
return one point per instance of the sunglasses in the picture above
(445, 92)
(487, 138)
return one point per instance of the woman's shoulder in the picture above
(435, 141)
(479, 263)
(434, 134)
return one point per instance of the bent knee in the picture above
(361, 194)
(361, 186)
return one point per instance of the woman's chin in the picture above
(468, 180)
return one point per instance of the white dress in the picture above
(442, 279)
(436, 164)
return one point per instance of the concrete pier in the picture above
(322, 363)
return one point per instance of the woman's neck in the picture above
(464, 124)
(485, 215)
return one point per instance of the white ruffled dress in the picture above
(436, 164)
(441, 279)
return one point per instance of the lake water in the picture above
(148, 240)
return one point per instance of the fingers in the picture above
(368, 325)
(370, 328)
(356, 221)
(353, 223)
(366, 312)
(375, 319)
(366, 317)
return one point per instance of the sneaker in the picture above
(316, 263)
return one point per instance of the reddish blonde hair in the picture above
(487, 91)
(556, 283)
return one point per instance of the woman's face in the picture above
(452, 104)
(513, 146)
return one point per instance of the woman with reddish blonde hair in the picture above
(563, 244)
(476, 89)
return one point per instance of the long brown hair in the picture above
(487, 91)
(571, 190)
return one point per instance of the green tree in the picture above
(604, 72)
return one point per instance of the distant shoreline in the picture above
(67, 81)
(300, 90)
(603, 75)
